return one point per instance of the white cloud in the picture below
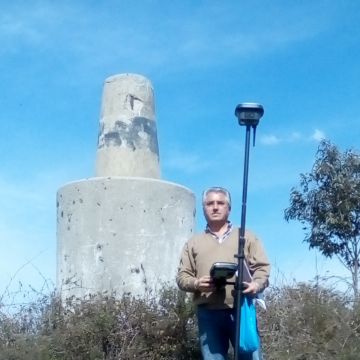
(318, 135)
(187, 163)
(25, 25)
(269, 139)
(191, 41)
(294, 137)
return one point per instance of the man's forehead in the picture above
(215, 195)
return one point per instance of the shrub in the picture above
(309, 322)
(303, 322)
(103, 327)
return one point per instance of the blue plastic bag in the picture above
(249, 337)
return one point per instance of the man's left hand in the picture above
(251, 288)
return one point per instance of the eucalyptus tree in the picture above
(327, 203)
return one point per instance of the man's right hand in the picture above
(204, 284)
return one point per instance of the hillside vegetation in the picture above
(302, 322)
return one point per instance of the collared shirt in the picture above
(221, 238)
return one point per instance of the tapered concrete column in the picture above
(127, 144)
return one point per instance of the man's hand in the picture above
(251, 288)
(204, 284)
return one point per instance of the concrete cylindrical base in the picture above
(120, 234)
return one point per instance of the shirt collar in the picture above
(224, 236)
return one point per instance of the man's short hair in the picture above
(217, 189)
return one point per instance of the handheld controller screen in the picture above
(221, 271)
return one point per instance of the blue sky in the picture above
(299, 59)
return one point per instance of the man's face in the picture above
(216, 208)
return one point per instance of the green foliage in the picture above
(327, 203)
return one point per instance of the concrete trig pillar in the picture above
(128, 144)
(122, 231)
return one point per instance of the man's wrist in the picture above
(257, 285)
(196, 284)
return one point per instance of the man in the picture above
(215, 306)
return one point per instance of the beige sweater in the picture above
(202, 250)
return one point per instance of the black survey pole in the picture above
(248, 115)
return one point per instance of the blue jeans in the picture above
(216, 329)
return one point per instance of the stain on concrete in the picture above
(99, 255)
(135, 270)
(100, 135)
(131, 99)
(140, 133)
(112, 138)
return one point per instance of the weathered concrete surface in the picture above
(120, 234)
(123, 230)
(127, 142)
